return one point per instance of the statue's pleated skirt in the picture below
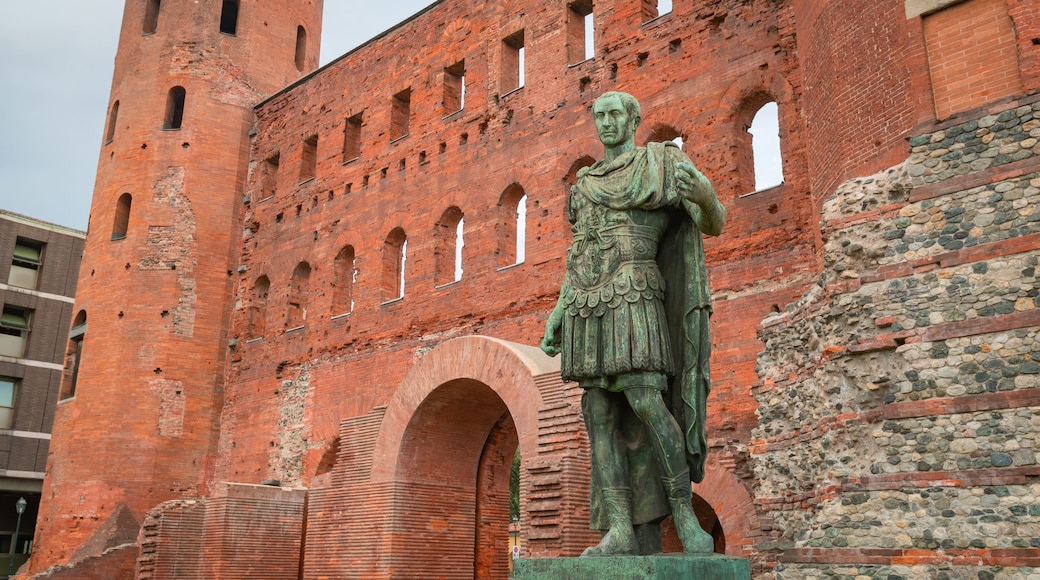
(630, 337)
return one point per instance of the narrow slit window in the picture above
(580, 32)
(74, 355)
(229, 17)
(765, 147)
(455, 87)
(513, 58)
(122, 217)
(459, 243)
(301, 48)
(25, 267)
(151, 17)
(298, 293)
(113, 114)
(448, 256)
(401, 110)
(352, 138)
(174, 108)
(269, 177)
(309, 158)
(395, 256)
(521, 230)
(511, 226)
(258, 307)
(346, 276)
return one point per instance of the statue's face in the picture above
(613, 123)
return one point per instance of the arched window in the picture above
(74, 354)
(301, 48)
(346, 275)
(448, 249)
(110, 132)
(511, 226)
(258, 307)
(765, 147)
(298, 291)
(229, 17)
(151, 17)
(581, 31)
(395, 254)
(174, 108)
(662, 133)
(122, 219)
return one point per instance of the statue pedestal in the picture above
(658, 567)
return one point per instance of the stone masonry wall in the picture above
(899, 404)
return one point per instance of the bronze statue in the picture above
(631, 325)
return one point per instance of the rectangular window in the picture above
(14, 331)
(8, 391)
(309, 158)
(151, 17)
(352, 138)
(25, 267)
(655, 8)
(513, 62)
(73, 357)
(580, 32)
(400, 113)
(269, 177)
(455, 87)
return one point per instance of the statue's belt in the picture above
(632, 282)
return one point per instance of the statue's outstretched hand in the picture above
(692, 184)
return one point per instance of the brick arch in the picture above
(659, 117)
(446, 444)
(732, 504)
(761, 81)
(508, 369)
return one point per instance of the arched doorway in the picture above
(453, 472)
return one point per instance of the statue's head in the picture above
(616, 115)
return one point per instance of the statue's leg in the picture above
(667, 440)
(602, 414)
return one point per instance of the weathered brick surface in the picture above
(333, 382)
(898, 436)
(143, 424)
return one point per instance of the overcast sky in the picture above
(56, 72)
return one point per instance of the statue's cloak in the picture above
(644, 179)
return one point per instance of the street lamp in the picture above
(19, 506)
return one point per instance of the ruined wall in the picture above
(899, 404)
(694, 80)
(155, 280)
(904, 371)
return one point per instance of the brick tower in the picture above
(141, 399)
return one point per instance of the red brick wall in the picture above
(866, 85)
(530, 137)
(144, 420)
(851, 81)
(972, 55)
(242, 531)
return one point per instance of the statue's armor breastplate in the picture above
(613, 257)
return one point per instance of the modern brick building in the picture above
(326, 287)
(39, 273)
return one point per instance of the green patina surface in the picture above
(660, 567)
